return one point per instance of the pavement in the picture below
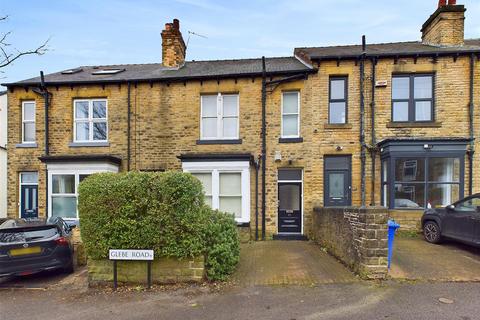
(416, 259)
(275, 280)
(288, 263)
(359, 301)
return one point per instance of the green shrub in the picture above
(165, 212)
(142, 210)
(223, 246)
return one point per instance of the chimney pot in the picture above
(445, 27)
(173, 46)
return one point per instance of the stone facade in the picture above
(445, 27)
(165, 123)
(356, 236)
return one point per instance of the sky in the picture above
(102, 32)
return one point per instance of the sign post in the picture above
(131, 255)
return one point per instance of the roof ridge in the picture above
(242, 59)
(358, 44)
(160, 64)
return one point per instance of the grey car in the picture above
(459, 221)
(30, 246)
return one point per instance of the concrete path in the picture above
(416, 259)
(288, 263)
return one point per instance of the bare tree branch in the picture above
(9, 56)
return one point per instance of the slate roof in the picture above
(190, 70)
(386, 50)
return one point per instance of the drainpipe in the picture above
(374, 139)
(46, 98)
(129, 107)
(472, 143)
(257, 166)
(264, 143)
(362, 120)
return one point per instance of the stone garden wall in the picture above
(164, 270)
(356, 236)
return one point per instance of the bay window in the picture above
(63, 181)
(90, 120)
(219, 117)
(417, 175)
(226, 186)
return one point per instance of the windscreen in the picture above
(27, 235)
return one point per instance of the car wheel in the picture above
(69, 268)
(431, 232)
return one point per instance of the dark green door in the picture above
(29, 202)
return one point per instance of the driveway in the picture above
(288, 263)
(46, 280)
(416, 259)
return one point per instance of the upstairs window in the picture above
(290, 115)
(28, 122)
(219, 116)
(90, 120)
(337, 107)
(412, 98)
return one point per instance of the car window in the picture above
(13, 236)
(468, 205)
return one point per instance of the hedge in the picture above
(165, 212)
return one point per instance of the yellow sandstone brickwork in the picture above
(166, 117)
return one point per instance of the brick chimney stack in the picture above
(173, 46)
(445, 27)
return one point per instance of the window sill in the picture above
(290, 140)
(88, 144)
(26, 145)
(414, 125)
(220, 141)
(338, 126)
(243, 224)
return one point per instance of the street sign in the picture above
(145, 255)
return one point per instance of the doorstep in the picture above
(295, 237)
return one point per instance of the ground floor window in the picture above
(226, 186)
(419, 174)
(63, 181)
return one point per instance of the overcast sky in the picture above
(100, 32)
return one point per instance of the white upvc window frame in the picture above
(218, 167)
(76, 169)
(29, 121)
(90, 120)
(291, 114)
(220, 117)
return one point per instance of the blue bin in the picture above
(392, 227)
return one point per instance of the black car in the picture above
(30, 246)
(459, 221)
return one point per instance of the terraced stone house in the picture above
(392, 124)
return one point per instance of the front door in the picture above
(289, 207)
(337, 186)
(29, 202)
